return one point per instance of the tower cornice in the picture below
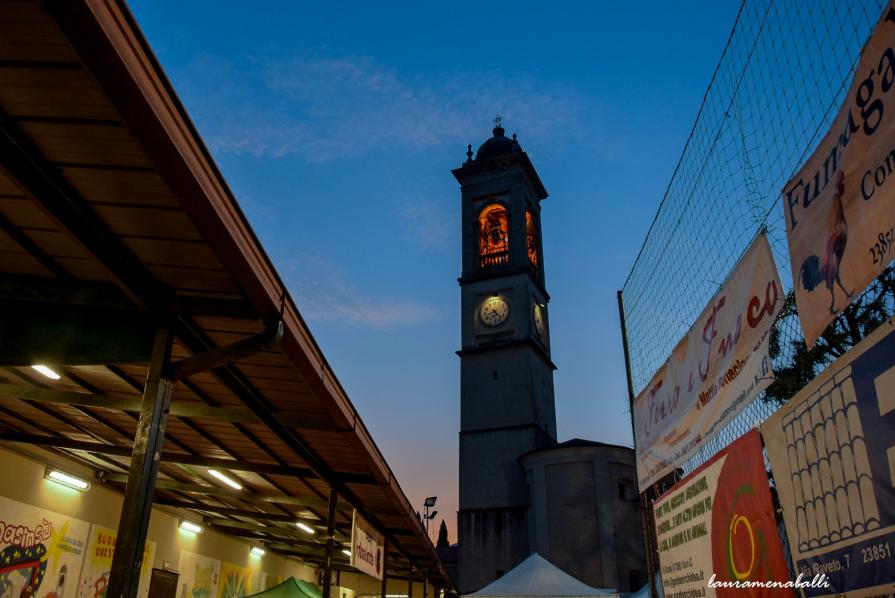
(475, 168)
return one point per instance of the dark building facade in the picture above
(507, 405)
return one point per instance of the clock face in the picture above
(494, 311)
(539, 320)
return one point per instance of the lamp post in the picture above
(430, 502)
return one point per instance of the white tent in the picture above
(536, 576)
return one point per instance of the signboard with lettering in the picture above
(367, 547)
(714, 372)
(98, 564)
(839, 218)
(716, 528)
(832, 453)
(41, 552)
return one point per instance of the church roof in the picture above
(538, 577)
(498, 145)
(575, 443)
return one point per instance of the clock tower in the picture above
(507, 402)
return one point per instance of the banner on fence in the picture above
(832, 453)
(839, 217)
(715, 371)
(717, 526)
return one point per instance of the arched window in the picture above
(531, 238)
(494, 236)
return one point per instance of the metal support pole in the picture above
(330, 544)
(646, 519)
(137, 507)
(384, 586)
(410, 583)
(425, 586)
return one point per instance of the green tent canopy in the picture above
(291, 588)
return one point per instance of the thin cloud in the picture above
(324, 294)
(428, 221)
(321, 109)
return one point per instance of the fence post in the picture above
(645, 503)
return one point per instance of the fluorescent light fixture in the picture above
(346, 552)
(257, 551)
(46, 372)
(229, 481)
(189, 526)
(66, 479)
(305, 528)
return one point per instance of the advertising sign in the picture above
(715, 371)
(236, 581)
(198, 576)
(98, 564)
(717, 526)
(832, 452)
(366, 547)
(41, 552)
(839, 218)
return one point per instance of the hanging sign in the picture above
(832, 452)
(839, 217)
(716, 531)
(367, 546)
(715, 371)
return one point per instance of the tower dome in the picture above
(497, 145)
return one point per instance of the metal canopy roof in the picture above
(109, 198)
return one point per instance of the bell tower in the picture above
(506, 374)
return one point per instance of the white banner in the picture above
(832, 452)
(840, 220)
(715, 371)
(366, 547)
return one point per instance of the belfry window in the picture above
(494, 236)
(531, 238)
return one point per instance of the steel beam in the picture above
(330, 544)
(224, 492)
(221, 356)
(134, 521)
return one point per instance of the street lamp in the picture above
(429, 502)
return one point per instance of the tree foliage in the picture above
(442, 536)
(865, 313)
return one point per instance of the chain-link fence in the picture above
(777, 88)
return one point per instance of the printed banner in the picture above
(98, 564)
(717, 525)
(839, 217)
(40, 551)
(235, 581)
(269, 580)
(715, 371)
(832, 452)
(198, 576)
(366, 547)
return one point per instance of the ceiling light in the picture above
(304, 527)
(46, 372)
(230, 482)
(257, 551)
(189, 526)
(346, 552)
(60, 477)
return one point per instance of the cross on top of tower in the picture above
(497, 121)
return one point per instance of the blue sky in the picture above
(337, 125)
